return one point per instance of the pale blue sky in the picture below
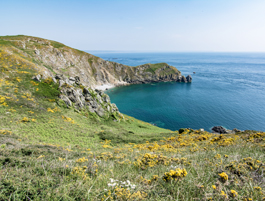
(140, 25)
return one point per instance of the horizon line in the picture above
(152, 51)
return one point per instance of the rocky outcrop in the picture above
(189, 78)
(183, 78)
(222, 130)
(235, 130)
(83, 98)
(219, 129)
(51, 58)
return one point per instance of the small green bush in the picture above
(48, 90)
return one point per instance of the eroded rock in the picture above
(37, 78)
(219, 129)
(189, 78)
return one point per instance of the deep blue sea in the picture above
(228, 89)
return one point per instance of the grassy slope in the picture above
(153, 67)
(42, 146)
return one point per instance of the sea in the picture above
(227, 89)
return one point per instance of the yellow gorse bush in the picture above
(175, 174)
(81, 160)
(125, 194)
(68, 119)
(80, 172)
(150, 160)
(5, 132)
(233, 193)
(25, 119)
(56, 109)
(223, 176)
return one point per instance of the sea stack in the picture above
(189, 78)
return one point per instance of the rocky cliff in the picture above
(51, 58)
(73, 94)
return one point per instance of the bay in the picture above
(228, 89)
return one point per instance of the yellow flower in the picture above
(234, 193)
(25, 119)
(224, 176)
(81, 160)
(61, 159)
(223, 194)
(214, 187)
(50, 110)
(41, 156)
(257, 188)
(155, 177)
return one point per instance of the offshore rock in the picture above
(189, 78)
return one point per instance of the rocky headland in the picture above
(51, 58)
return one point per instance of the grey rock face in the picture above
(95, 101)
(54, 80)
(91, 109)
(106, 98)
(86, 91)
(183, 79)
(94, 104)
(114, 107)
(37, 52)
(236, 130)
(88, 98)
(100, 111)
(71, 80)
(60, 77)
(77, 80)
(100, 92)
(37, 78)
(61, 83)
(108, 108)
(99, 98)
(189, 78)
(66, 100)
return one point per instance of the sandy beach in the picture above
(104, 87)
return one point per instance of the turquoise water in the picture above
(228, 89)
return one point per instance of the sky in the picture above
(140, 25)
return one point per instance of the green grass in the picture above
(57, 44)
(45, 171)
(153, 67)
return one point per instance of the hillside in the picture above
(62, 140)
(51, 58)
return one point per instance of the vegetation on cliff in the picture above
(51, 58)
